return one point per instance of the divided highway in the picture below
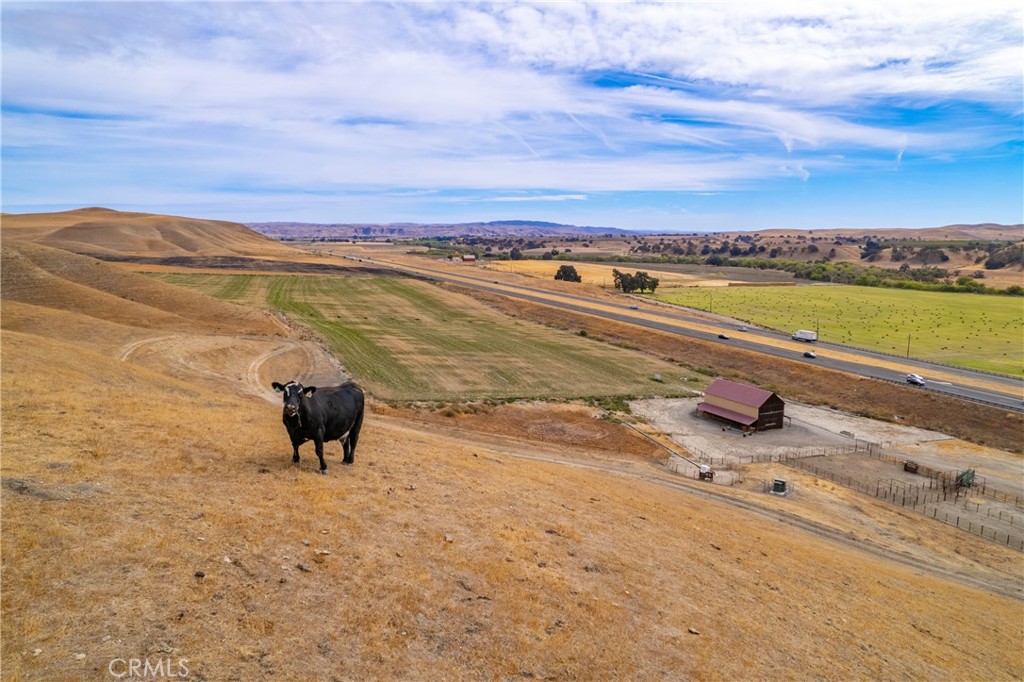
(1005, 392)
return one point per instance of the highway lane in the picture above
(963, 383)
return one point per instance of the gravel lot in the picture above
(809, 430)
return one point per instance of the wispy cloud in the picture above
(368, 102)
(539, 197)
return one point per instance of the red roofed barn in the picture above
(748, 407)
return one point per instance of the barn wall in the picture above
(718, 401)
(771, 413)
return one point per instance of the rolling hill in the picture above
(104, 233)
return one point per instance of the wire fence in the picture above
(926, 500)
(939, 478)
(787, 454)
(941, 495)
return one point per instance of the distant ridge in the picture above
(538, 228)
(495, 228)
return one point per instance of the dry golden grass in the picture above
(595, 273)
(50, 278)
(432, 557)
(99, 231)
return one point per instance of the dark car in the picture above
(915, 379)
(809, 354)
(723, 336)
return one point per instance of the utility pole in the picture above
(908, 345)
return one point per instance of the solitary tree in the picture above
(567, 273)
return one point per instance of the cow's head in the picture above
(293, 392)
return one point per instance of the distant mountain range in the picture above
(498, 228)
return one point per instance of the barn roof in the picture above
(740, 393)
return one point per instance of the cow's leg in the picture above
(353, 438)
(295, 454)
(343, 442)
(319, 443)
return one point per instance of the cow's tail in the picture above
(353, 434)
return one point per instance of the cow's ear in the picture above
(278, 387)
(309, 391)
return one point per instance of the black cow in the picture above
(334, 413)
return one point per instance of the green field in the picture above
(404, 339)
(980, 332)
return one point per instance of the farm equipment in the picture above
(965, 479)
(706, 473)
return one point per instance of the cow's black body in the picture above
(324, 414)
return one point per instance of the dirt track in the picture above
(247, 364)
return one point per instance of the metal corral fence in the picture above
(937, 476)
(921, 499)
(786, 455)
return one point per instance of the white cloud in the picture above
(562, 98)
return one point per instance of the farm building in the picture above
(748, 407)
(468, 258)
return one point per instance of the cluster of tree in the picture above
(639, 281)
(481, 247)
(567, 273)
(925, 278)
(1011, 255)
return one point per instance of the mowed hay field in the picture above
(405, 339)
(970, 330)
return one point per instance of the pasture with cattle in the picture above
(507, 516)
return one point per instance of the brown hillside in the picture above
(151, 511)
(105, 233)
(43, 276)
(984, 231)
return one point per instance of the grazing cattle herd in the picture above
(324, 414)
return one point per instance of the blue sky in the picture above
(679, 116)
